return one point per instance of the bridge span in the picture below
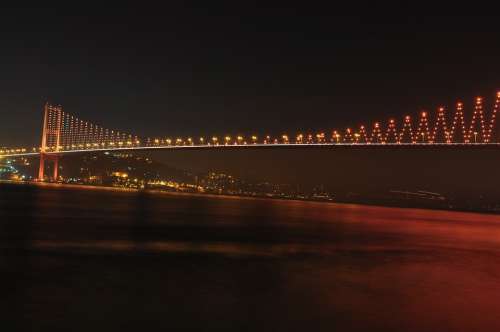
(14, 154)
(64, 133)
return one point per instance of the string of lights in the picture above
(407, 130)
(440, 123)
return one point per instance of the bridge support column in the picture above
(41, 171)
(51, 137)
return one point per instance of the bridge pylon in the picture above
(48, 157)
(51, 140)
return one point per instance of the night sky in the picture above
(187, 70)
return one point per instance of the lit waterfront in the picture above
(143, 260)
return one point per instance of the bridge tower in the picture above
(51, 140)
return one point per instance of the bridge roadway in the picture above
(258, 145)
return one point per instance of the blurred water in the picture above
(86, 259)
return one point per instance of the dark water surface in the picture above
(99, 260)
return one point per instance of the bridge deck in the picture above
(259, 145)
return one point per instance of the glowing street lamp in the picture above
(337, 136)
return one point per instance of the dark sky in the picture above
(187, 70)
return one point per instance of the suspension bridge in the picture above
(64, 133)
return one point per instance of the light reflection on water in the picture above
(128, 261)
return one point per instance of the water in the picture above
(100, 260)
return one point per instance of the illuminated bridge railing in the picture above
(275, 143)
(65, 133)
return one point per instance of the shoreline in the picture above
(229, 196)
